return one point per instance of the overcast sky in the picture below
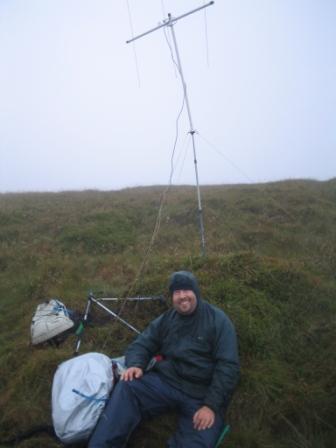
(80, 108)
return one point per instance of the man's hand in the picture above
(131, 373)
(204, 418)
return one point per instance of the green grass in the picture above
(270, 264)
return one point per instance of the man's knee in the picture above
(120, 390)
(122, 397)
(129, 386)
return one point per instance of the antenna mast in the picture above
(170, 22)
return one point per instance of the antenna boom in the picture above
(166, 22)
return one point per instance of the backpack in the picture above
(51, 319)
(80, 390)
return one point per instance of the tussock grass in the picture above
(270, 264)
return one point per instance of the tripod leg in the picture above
(81, 326)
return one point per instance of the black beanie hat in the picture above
(184, 280)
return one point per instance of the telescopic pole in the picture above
(191, 132)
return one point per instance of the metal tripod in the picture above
(93, 300)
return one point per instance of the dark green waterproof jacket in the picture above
(200, 355)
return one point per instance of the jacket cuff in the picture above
(212, 406)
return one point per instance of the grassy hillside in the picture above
(270, 264)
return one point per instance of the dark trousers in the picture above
(149, 396)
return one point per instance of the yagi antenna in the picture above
(170, 22)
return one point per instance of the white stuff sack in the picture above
(80, 389)
(50, 319)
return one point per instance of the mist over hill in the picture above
(270, 265)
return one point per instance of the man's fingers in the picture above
(124, 376)
(131, 373)
(203, 424)
(127, 375)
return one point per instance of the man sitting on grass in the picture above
(197, 375)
